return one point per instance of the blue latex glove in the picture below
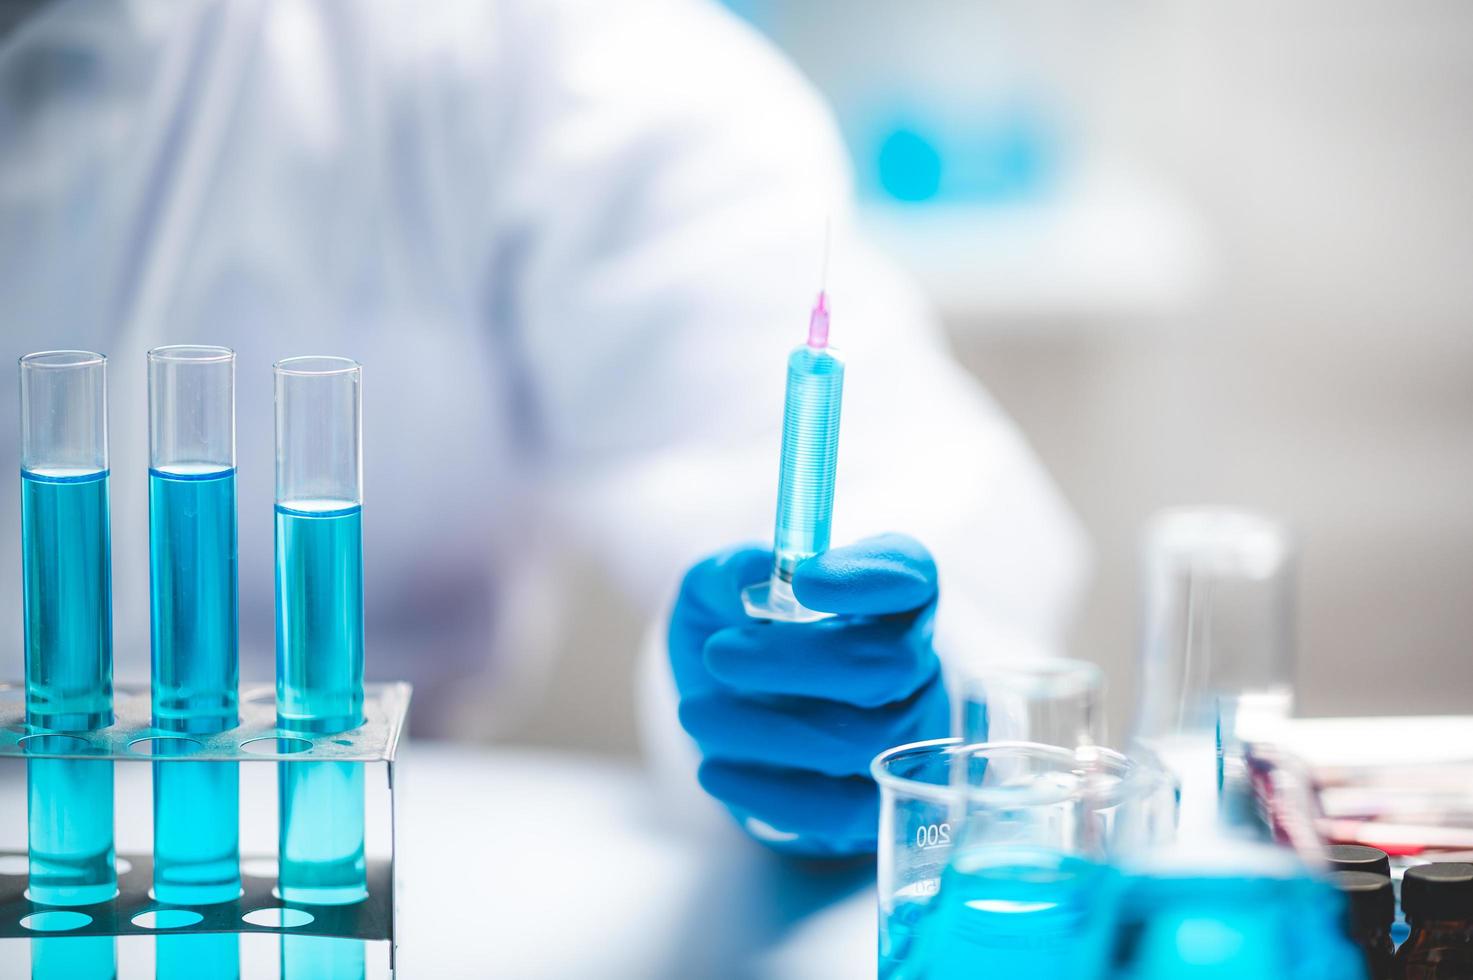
(789, 715)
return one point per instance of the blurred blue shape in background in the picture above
(909, 164)
(968, 136)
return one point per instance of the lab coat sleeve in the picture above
(671, 190)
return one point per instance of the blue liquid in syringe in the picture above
(810, 449)
(192, 535)
(319, 688)
(67, 572)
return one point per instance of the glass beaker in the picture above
(973, 873)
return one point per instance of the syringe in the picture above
(805, 489)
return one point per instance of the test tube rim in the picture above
(1219, 540)
(297, 366)
(1051, 675)
(190, 354)
(59, 360)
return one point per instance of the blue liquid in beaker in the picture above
(1014, 912)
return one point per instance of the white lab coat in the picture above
(571, 242)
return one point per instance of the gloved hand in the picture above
(789, 715)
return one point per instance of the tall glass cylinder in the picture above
(1052, 702)
(67, 584)
(1217, 646)
(319, 621)
(193, 578)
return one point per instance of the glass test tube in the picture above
(809, 461)
(192, 574)
(319, 622)
(1051, 702)
(1217, 645)
(67, 573)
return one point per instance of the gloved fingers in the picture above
(810, 733)
(867, 663)
(712, 590)
(709, 600)
(842, 811)
(889, 573)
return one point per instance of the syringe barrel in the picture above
(810, 454)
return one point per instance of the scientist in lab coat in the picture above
(571, 243)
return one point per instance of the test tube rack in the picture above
(132, 738)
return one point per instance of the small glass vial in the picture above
(1371, 906)
(1438, 900)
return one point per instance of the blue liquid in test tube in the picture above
(67, 580)
(319, 625)
(810, 454)
(192, 565)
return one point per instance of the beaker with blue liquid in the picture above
(996, 856)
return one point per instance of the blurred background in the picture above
(1202, 253)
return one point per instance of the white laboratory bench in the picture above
(540, 864)
(532, 864)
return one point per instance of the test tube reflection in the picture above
(319, 622)
(67, 584)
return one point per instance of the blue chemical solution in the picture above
(1011, 912)
(319, 688)
(322, 958)
(1232, 928)
(897, 936)
(67, 568)
(810, 453)
(67, 572)
(74, 958)
(216, 957)
(71, 831)
(321, 833)
(319, 616)
(192, 564)
(196, 838)
(192, 540)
